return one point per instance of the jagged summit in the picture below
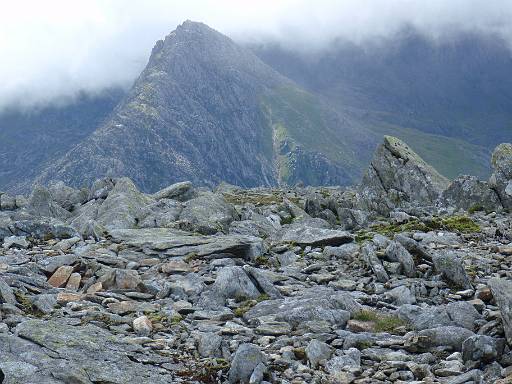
(208, 110)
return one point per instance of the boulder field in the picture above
(404, 278)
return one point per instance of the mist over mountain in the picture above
(208, 109)
(31, 139)
(457, 90)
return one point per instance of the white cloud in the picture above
(51, 49)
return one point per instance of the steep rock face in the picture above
(501, 179)
(397, 176)
(207, 110)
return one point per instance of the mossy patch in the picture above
(461, 224)
(382, 322)
(248, 304)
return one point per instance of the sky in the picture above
(50, 50)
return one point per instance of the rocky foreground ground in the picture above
(404, 278)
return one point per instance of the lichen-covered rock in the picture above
(124, 206)
(469, 193)
(41, 204)
(208, 214)
(398, 177)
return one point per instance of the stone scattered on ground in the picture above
(298, 285)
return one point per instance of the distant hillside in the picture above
(408, 86)
(31, 139)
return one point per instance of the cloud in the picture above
(52, 49)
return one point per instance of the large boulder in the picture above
(397, 176)
(67, 197)
(501, 179)
(41, 204)
(124, 206)
(449, 265)
(245, 361)
(50, 351)
(469, 193)
(208, 214)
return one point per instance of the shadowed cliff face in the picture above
(207, 110)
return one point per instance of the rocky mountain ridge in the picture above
(403, 278)
(207, 110)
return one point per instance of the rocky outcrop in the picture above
(469, 193)
(398, 177)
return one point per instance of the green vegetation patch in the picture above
(248, 304)
(382, 322)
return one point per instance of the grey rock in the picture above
(67, 197)
(176, 191)
(42, 229)
(245, 360)
(401, 295)
(397, 176)
(502, 175)
(44, 303)
(345, 251)
(352, 218)
(260, 228)
(317, 351)
(306, 235)
(262, 281)
(313, 305)
(65, 353)
(480, 348)
(124, 206)
(6, 293)
(41, 204)
(374, 263)
(424, 317)
(258, 374)
(15, 242)
(447, 336)
(232, 283)
(351, 359)
(7, 202)
(463, 314)
(397, 252)
(180, 243)
(208, 214)
(449, 265)
(287, 258)
(467, 192)
(101, 188)
(502, 292)
(163, 213)
(209, 345)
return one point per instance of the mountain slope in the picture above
(31, 139)
(458, 88)
(208, 110)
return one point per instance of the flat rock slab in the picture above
(172, 242)
(56, 352)
(315, 236)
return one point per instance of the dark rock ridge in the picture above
(266, 285)
(207, 110)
